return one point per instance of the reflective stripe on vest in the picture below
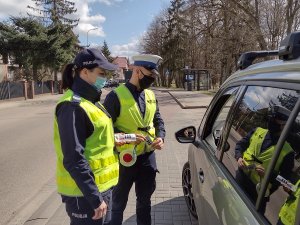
(254, 148)
(131, 119)
(287, 212)
(98, 150)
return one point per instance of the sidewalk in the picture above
(186, 99)
(168, 203)
(13, 102)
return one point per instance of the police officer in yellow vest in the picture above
(134, 109)
(287, 214)
(87, 167)
(254, 152)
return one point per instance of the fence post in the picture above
(52, 87)
(8, 85)
(29, 90)
(25, 89)
(60, 90)
(32, 88)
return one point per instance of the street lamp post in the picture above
(87, 35)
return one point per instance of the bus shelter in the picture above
(196, 79)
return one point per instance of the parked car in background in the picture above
(112, 83)
(239, 126)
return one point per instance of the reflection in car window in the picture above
(254, 133)
(289, 190)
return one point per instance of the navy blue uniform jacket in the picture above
(74, 128)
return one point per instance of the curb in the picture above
(185, 106)
(4, 104)
(46, 211)
(38, 209)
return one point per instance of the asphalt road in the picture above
(27, 159)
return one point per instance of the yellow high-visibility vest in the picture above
(98, 151)
(132, 121)
(287, 212)
(254, 148)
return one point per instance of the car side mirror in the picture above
(186, 135)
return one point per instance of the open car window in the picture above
(218, 117)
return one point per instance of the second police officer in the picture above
(134, 109)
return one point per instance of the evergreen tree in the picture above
(61, 47)
(62, 40)
(36, 48)
(53, 11)
(106, 52)
(26, 40)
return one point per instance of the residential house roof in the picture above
(122, 62)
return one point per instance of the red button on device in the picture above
(127, 158)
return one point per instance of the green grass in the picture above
(212, 92)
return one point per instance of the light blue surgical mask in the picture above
(100, 83)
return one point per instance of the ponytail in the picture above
(68, 76)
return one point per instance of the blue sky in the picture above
(119, 22)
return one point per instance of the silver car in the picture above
(243, 161)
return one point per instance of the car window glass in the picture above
(218, 118)
(286, 184)
(256, 126)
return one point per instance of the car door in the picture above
(216, 200)
(251, 113)
(263, 105)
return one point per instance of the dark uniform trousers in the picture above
(143, 173)
(81, 212)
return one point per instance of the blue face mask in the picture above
(100, 83)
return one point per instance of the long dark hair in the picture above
(68, 76)
(70, 72)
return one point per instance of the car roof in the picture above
(272, 70)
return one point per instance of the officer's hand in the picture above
(241, 163)
(139, 138)
(120, 143)
(158, 143)
(100, 211)
(286, 189)
(260, 170)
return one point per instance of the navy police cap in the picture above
(91, 58)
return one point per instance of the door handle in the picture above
(201, 175)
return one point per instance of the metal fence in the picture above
(10, 89)
(42, 87)
(15, 89)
